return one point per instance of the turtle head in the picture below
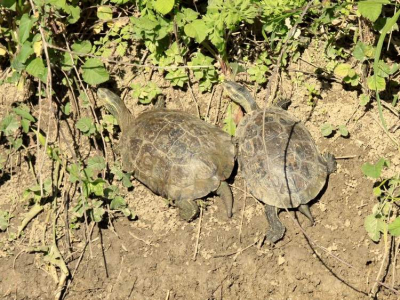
(112, 102)
(115, 106)
(240, 95)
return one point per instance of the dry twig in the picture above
(140, 239)
(198, 234)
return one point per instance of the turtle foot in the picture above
(276, 229)
(225, 193)
(188, 209)
(275, 234)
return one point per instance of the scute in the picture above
(290, 171)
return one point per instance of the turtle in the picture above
(175, 154)
(282, 170)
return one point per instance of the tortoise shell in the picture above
(177, 155)
(285, 168)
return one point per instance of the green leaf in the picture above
(24, 113)
(82, 47)
(177, 77)
(74, 13)
(373, 226)
(121, 48)
(67, 61)
(145, 93)
(343, 130)
(125, 177)
(326, 129)
(98, 214)
(66, 109)
(229, 121)
(371, 9)
(96, 164)
(4, 217)
(377, 191)
(74, 173)
(97, 187)
(9, 125)
(363, 51)
(25, 125)
(376, 83)
(37, 69)
(41, 137)
(86, 125)
(197, 30)
(258, 73)
(10, 4)
(394, 68)
(186, 15)
(84, 98)
(93, 72)
(358, 52)
(88, 173)
(394, 227)
(383, 69)
(17, 144)
(25, 52)
(57, 3)
(374, 171)
(364, 99)
(342, 70)
(25, 26)
(236, 68)
(163, 6)
(104, 13)
(118, 203)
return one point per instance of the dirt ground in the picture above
(154, 257)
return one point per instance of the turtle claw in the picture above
(305, 210)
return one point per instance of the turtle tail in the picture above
(115, 106)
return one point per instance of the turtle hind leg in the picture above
(276, 228)
(305, 210)
(225, 193)
(188, 209)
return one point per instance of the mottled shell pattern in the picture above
(177, 155)
(285, 171)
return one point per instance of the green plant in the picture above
(145, 93)
(16, 124)
(384, 219)
(328, 129)
(96, 191)
(347, 73)
(4, 220)
(258, 71)
(313, 92)
(229, 121)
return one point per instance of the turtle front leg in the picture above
(331, 164)
(188, 209)
(225, 193)
(276, 228)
